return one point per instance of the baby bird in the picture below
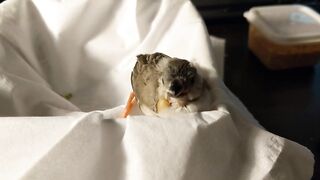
(164, 84)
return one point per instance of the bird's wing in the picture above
(144, 80)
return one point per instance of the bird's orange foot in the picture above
(131, 101)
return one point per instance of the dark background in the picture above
(287, 102)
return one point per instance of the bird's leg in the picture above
(131, 101)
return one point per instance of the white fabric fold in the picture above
(64, 78)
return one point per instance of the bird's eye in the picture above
(192, 80)
(190, 74)
(176, 87)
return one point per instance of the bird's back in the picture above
(144, 79)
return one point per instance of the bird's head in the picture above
(178, 77)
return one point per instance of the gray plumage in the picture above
(158, 76)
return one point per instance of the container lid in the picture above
(286, 24)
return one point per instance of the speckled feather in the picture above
(160, 78)
(144, 79)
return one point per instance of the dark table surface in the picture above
(286, 103)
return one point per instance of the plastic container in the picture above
(284, 36)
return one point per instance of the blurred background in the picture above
(285, 102)
(230, 9)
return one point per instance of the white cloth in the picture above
(87, 49)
